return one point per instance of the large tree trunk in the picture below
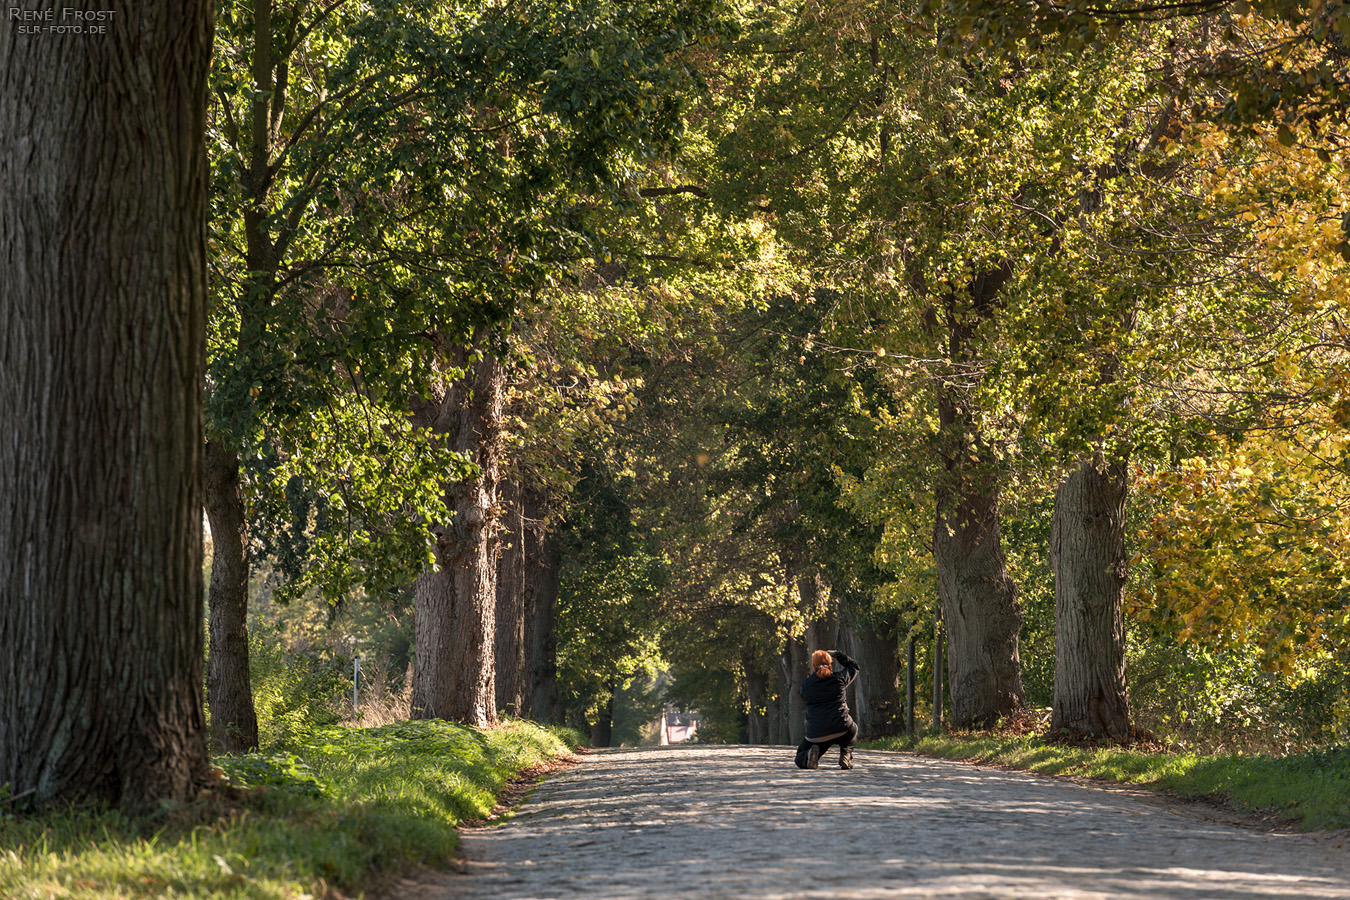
(229, 694)
(102, 356)
(979, 610)
(1087, 551)
(875, 693)
(978, 596)
(542, 563)
(511, 591)
(455, 603)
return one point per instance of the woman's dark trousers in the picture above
(845, 742)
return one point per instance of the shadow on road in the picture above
(743, 822)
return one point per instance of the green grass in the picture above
(347, 810)
(1311, 789)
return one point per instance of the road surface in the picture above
(742, 822)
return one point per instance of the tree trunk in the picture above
(229, 693)
(876, 701)
(978, 597)
(793, 668)
(1087, 552)
(756, 684)
(910, 666)
(511, 582)
(542, 573)
(937, 670)
(531, 520)
(822, 615)
(602, 732)
(102, 356)
(456, 602)
(777, 720)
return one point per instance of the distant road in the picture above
(703, 823)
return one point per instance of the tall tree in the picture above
(877, 136)
(542, 564)
(456, 600)
(1087, 551)
(591, 88)
(314, 313)
(103, 179)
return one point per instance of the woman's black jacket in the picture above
(826, 708)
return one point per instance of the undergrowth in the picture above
(1310, 790)
(340, 812)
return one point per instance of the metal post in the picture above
(909, 691)
(356, 683)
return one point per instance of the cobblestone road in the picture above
(734, 822)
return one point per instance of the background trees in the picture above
(873, 335)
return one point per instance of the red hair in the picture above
(822, 663)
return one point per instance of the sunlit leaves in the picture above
(389, 178)
(1250, 547)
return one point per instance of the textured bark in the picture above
(778, 730)
(910, 687)
(102, 356)
(1087, 551)
(455, 603)
(875, 693)
(511, 655)
(542, 573)
(822, 630)
(793, 667)
(756, 685)
(229, 693)
(978, 596)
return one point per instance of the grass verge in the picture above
(346, 810)
(1310, 790)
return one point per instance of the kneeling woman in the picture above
(827, 718)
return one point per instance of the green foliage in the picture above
(350, 809)
(608, 621)
(389, 179)
(884, 261)
(636, 707)
(1199, 698)
(1255, 63)
(715, 691)
(275, 771)
(293, 692)
(1026, 539)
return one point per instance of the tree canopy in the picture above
(623, 354)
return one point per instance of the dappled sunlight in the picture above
(744, 822)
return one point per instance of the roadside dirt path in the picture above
(737, 822)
